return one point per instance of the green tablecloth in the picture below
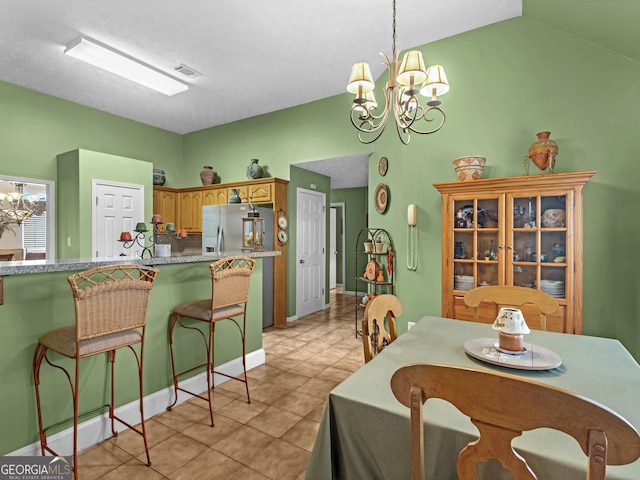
(364, 434)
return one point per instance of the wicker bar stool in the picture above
(230, 278)
(111, 305)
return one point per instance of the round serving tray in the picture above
(535, 357)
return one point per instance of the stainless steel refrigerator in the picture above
(222, 232)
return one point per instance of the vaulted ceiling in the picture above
(256, 57)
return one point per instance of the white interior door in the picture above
(333, 249)
(310, 245)
(117, 208)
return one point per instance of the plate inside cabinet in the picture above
(381, 198)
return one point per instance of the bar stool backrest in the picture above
(230, 281)
(111, 299)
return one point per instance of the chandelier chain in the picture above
(393, 26)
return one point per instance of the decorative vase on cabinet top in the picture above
(235, 196)
(254, 170)
(543, 152)
(159, 177)
(469, 168)
(207, 175)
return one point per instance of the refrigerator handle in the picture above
(220, 241)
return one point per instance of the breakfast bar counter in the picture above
(38, 299)
(65, 265)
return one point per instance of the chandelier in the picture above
(406, 80)
(16, 206)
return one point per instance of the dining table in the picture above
(364, 432)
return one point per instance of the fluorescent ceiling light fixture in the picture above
(116, 62)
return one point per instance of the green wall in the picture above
(355, 200)
(77, 170)
(36, 128)
(508, 81)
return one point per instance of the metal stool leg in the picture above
(241, 330)
(176, 319)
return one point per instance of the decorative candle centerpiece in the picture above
(512, 326)
(156, 248)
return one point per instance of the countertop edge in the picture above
(65, 265)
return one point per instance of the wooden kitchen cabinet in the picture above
(260, 193)
(209, 197)
(243, 192)
(190, 211)
(523, 231)
(187, 213)
(164, 204)
(221, 196)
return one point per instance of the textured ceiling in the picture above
(255, 56)
(345, 172)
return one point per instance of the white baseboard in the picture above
(98, 429)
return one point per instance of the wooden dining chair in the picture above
(503, 406)
(374, 334)
(230, 280)
(511, 296)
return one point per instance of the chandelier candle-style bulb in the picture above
(369, 102)
(435, 84)
(361, 81)
(412, 71)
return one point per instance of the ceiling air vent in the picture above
(187, 71)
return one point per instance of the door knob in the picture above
(301, 261)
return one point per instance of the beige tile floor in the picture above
(271, 438)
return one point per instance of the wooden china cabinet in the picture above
(523, 231)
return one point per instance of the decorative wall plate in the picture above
(282, 237)
(282, 222)
(381, 198)
(383, 165)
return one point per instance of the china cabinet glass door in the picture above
(477, 243)
(540, 253)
